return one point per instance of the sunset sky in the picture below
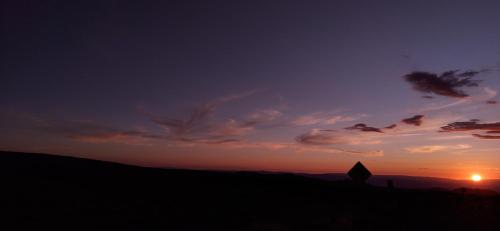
(406, 87)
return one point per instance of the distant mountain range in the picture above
(415, 182)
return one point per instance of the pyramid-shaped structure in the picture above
(359, 173)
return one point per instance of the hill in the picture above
(44, 191)
(416, 182)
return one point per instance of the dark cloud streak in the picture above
(449, 83)
(317, 139)
(415, 120)
(490, 128)
(470, 126)
(364, 128)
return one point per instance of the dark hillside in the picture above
(44, 191)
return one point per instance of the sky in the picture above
(406, 87)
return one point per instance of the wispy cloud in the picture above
(322, 118)
(132, 137)
(486, 95)
(199, 126)
(299, 148)
(309, 149)
(92, 132)
(459, 137)
(197, 121)
(488, 137)
(322, 137)
(264, 115)
(391, 126)
(436, 148)
(329, 139)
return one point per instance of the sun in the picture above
(476, 177)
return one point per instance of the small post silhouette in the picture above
(390, 184)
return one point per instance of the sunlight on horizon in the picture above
(476, 177)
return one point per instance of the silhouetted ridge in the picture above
(53, 192)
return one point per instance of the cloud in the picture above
(488, 137)
(364, 128)
(338, 118)
(436, 148)
(490, 128)
(212, 140)
(449, 83)
(490, 93)
(319, 137)
(299, 148)
(440, 105)
(470, 126)
(432, 124)
(393, 132)
(323, 118)
(233, 128)
(308, 120)
(259, 145)
(233, 97)
(92, 132)
(363, 134)
(265, 115)
(485, 95)
(391, 126)
(318, 140)
(451, 137)
(491, 102)
(425, 149)
(309, 149)
(415, 120)
(131, 137)
(199, 127)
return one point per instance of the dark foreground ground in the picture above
(42, 191)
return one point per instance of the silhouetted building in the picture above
(359, 173)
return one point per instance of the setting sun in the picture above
(476, 177)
